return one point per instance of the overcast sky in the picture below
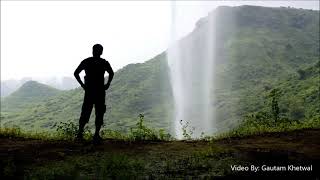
(50, 38)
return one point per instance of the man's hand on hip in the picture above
(106, 86)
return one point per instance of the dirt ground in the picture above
(301, 147)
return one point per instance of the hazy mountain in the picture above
(29, 93)
(63, 83)
(9, 86)
(257, 49)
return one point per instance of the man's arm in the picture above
(76, 75)
(110, 77)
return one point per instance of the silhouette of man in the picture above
(94, 88)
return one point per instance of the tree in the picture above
(274, 95)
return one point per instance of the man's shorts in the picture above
(98, 100)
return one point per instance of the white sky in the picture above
(50, 38)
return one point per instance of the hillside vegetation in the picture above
(257, 49)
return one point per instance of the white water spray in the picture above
(191, 63)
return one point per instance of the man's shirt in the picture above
(94, 68)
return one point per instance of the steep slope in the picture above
(256, 51)
(141, 88)
(300, 95)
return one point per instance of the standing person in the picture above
(95, 89)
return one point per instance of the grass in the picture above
(253, 126)
(180, 160)
(97, 166)
(68, 131)
(16, 132)
(163, 159)
(250, 126)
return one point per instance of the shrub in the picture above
(187, 131)
(142, 132)
(69, 130)
(163, 136)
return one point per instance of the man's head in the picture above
(97, 50)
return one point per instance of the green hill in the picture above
(137, 88)
(258, 49)
(29, 93)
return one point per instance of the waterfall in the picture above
(191, 64)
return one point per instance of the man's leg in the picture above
(85, 116)
(100, 110)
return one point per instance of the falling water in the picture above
(191, 62)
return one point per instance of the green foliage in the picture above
(113, 134)
(70, 130)
(67, 130)
(29, 93)
(17, 132)
(261, 122)
(10, 132)
(274, 95)
(142, 87)
(187, 131)
(250, 127)
(142, 132)
(164, 136)
(263, 51)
